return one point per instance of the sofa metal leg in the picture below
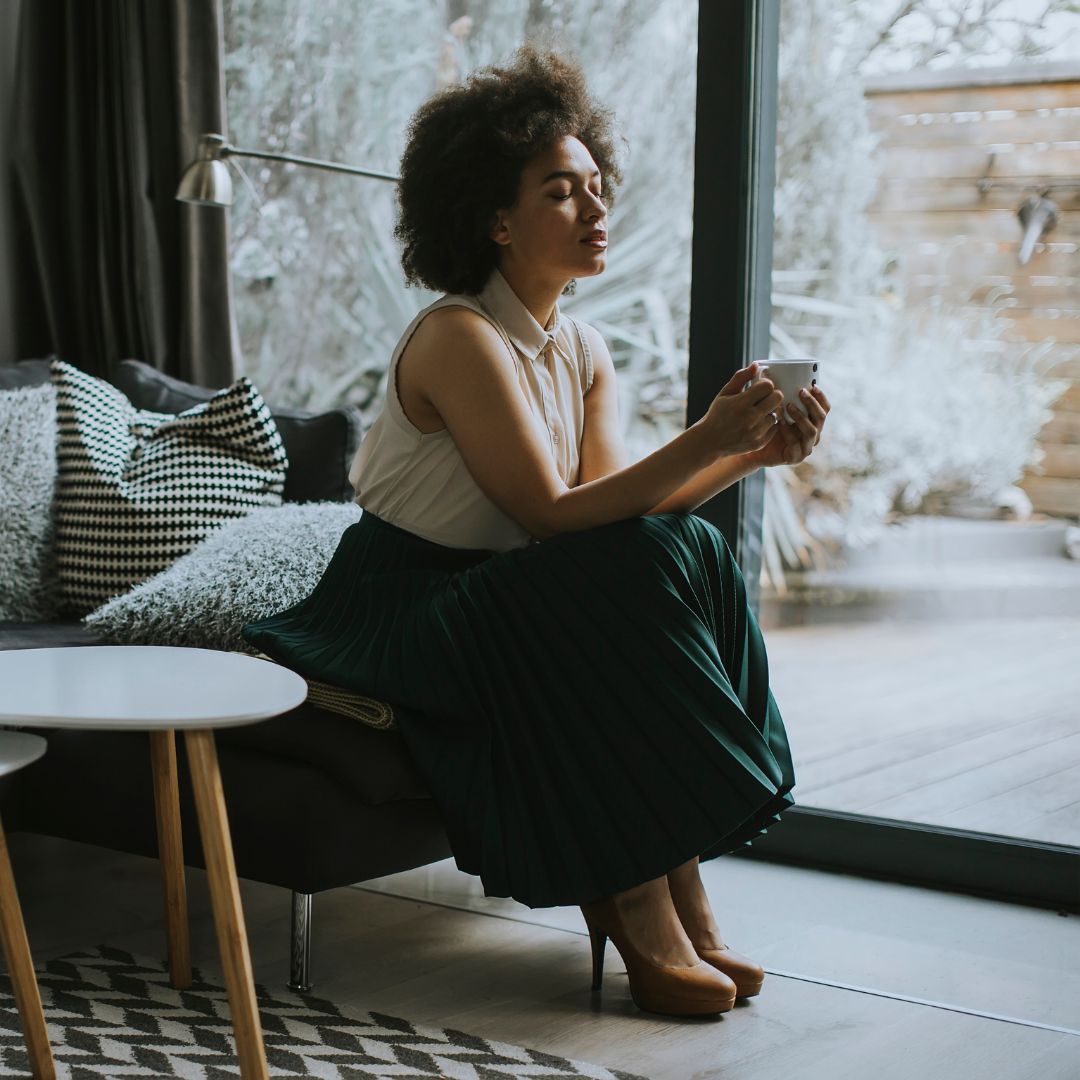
(300, 943)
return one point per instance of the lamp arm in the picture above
(315, 163)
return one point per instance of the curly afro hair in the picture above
(466, 149)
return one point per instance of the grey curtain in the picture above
(111, 97)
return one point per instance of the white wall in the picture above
(9, 24)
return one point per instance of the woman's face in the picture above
(557, 229)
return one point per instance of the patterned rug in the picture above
(111, 1015)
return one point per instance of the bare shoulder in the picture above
(453, 336)
(451, 350)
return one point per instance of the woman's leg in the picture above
(666, 974)
(689, 899)
(653, 925)
(692, 905)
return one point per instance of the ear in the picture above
(500, 229)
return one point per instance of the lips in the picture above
(597, 238)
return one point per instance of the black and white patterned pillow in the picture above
(138, 489)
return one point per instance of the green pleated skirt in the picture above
(589, 711)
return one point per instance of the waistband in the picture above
(371, 523)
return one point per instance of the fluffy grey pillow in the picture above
(246, 570)
(28, 584)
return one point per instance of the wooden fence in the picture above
(1019, 128)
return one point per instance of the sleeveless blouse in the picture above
(419, 481)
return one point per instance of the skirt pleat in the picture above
(589, 712)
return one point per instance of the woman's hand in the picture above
(792, 443)
(739, 421)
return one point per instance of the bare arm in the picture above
(469, 378)
(710, 481)
(603, 450)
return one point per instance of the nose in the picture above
(595, 210)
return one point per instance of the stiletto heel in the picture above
(672, 991)
(598, 939)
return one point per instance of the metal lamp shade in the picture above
(206, 183)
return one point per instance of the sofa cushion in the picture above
(320, 446)
(137, 489)
(28, 441)
(24, 373)
(248, 569)
(44, 635)
(373, 766)
(291, 825)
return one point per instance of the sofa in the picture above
(316, 799)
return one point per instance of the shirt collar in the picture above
(516, 319)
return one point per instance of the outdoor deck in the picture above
(972, 724)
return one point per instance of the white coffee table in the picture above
(159, 690)
(17, 748)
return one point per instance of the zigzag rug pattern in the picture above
(112, 1015)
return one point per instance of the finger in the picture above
(740, 379)
(811, 432)
(760, 390)
(820, 395)
(813, 405)
(793, 441)
(800, 417)
(807, 431)
(770, 404)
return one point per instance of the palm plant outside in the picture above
(319, 291)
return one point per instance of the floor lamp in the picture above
(207, 182)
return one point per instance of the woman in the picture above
(570, 654)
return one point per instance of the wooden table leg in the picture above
(171, 855)
(21, 969)
(225, 897)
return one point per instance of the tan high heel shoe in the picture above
(672, 991)
(746, 975)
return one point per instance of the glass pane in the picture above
(319, 290)
(921, 594)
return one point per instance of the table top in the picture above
(142, 687)
(19, 748)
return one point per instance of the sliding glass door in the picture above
(919, 589)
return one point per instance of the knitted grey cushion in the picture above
(246, 570)
(28, 586)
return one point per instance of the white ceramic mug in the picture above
(789, 376)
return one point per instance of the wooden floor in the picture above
(865, 979)
(974, 724)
